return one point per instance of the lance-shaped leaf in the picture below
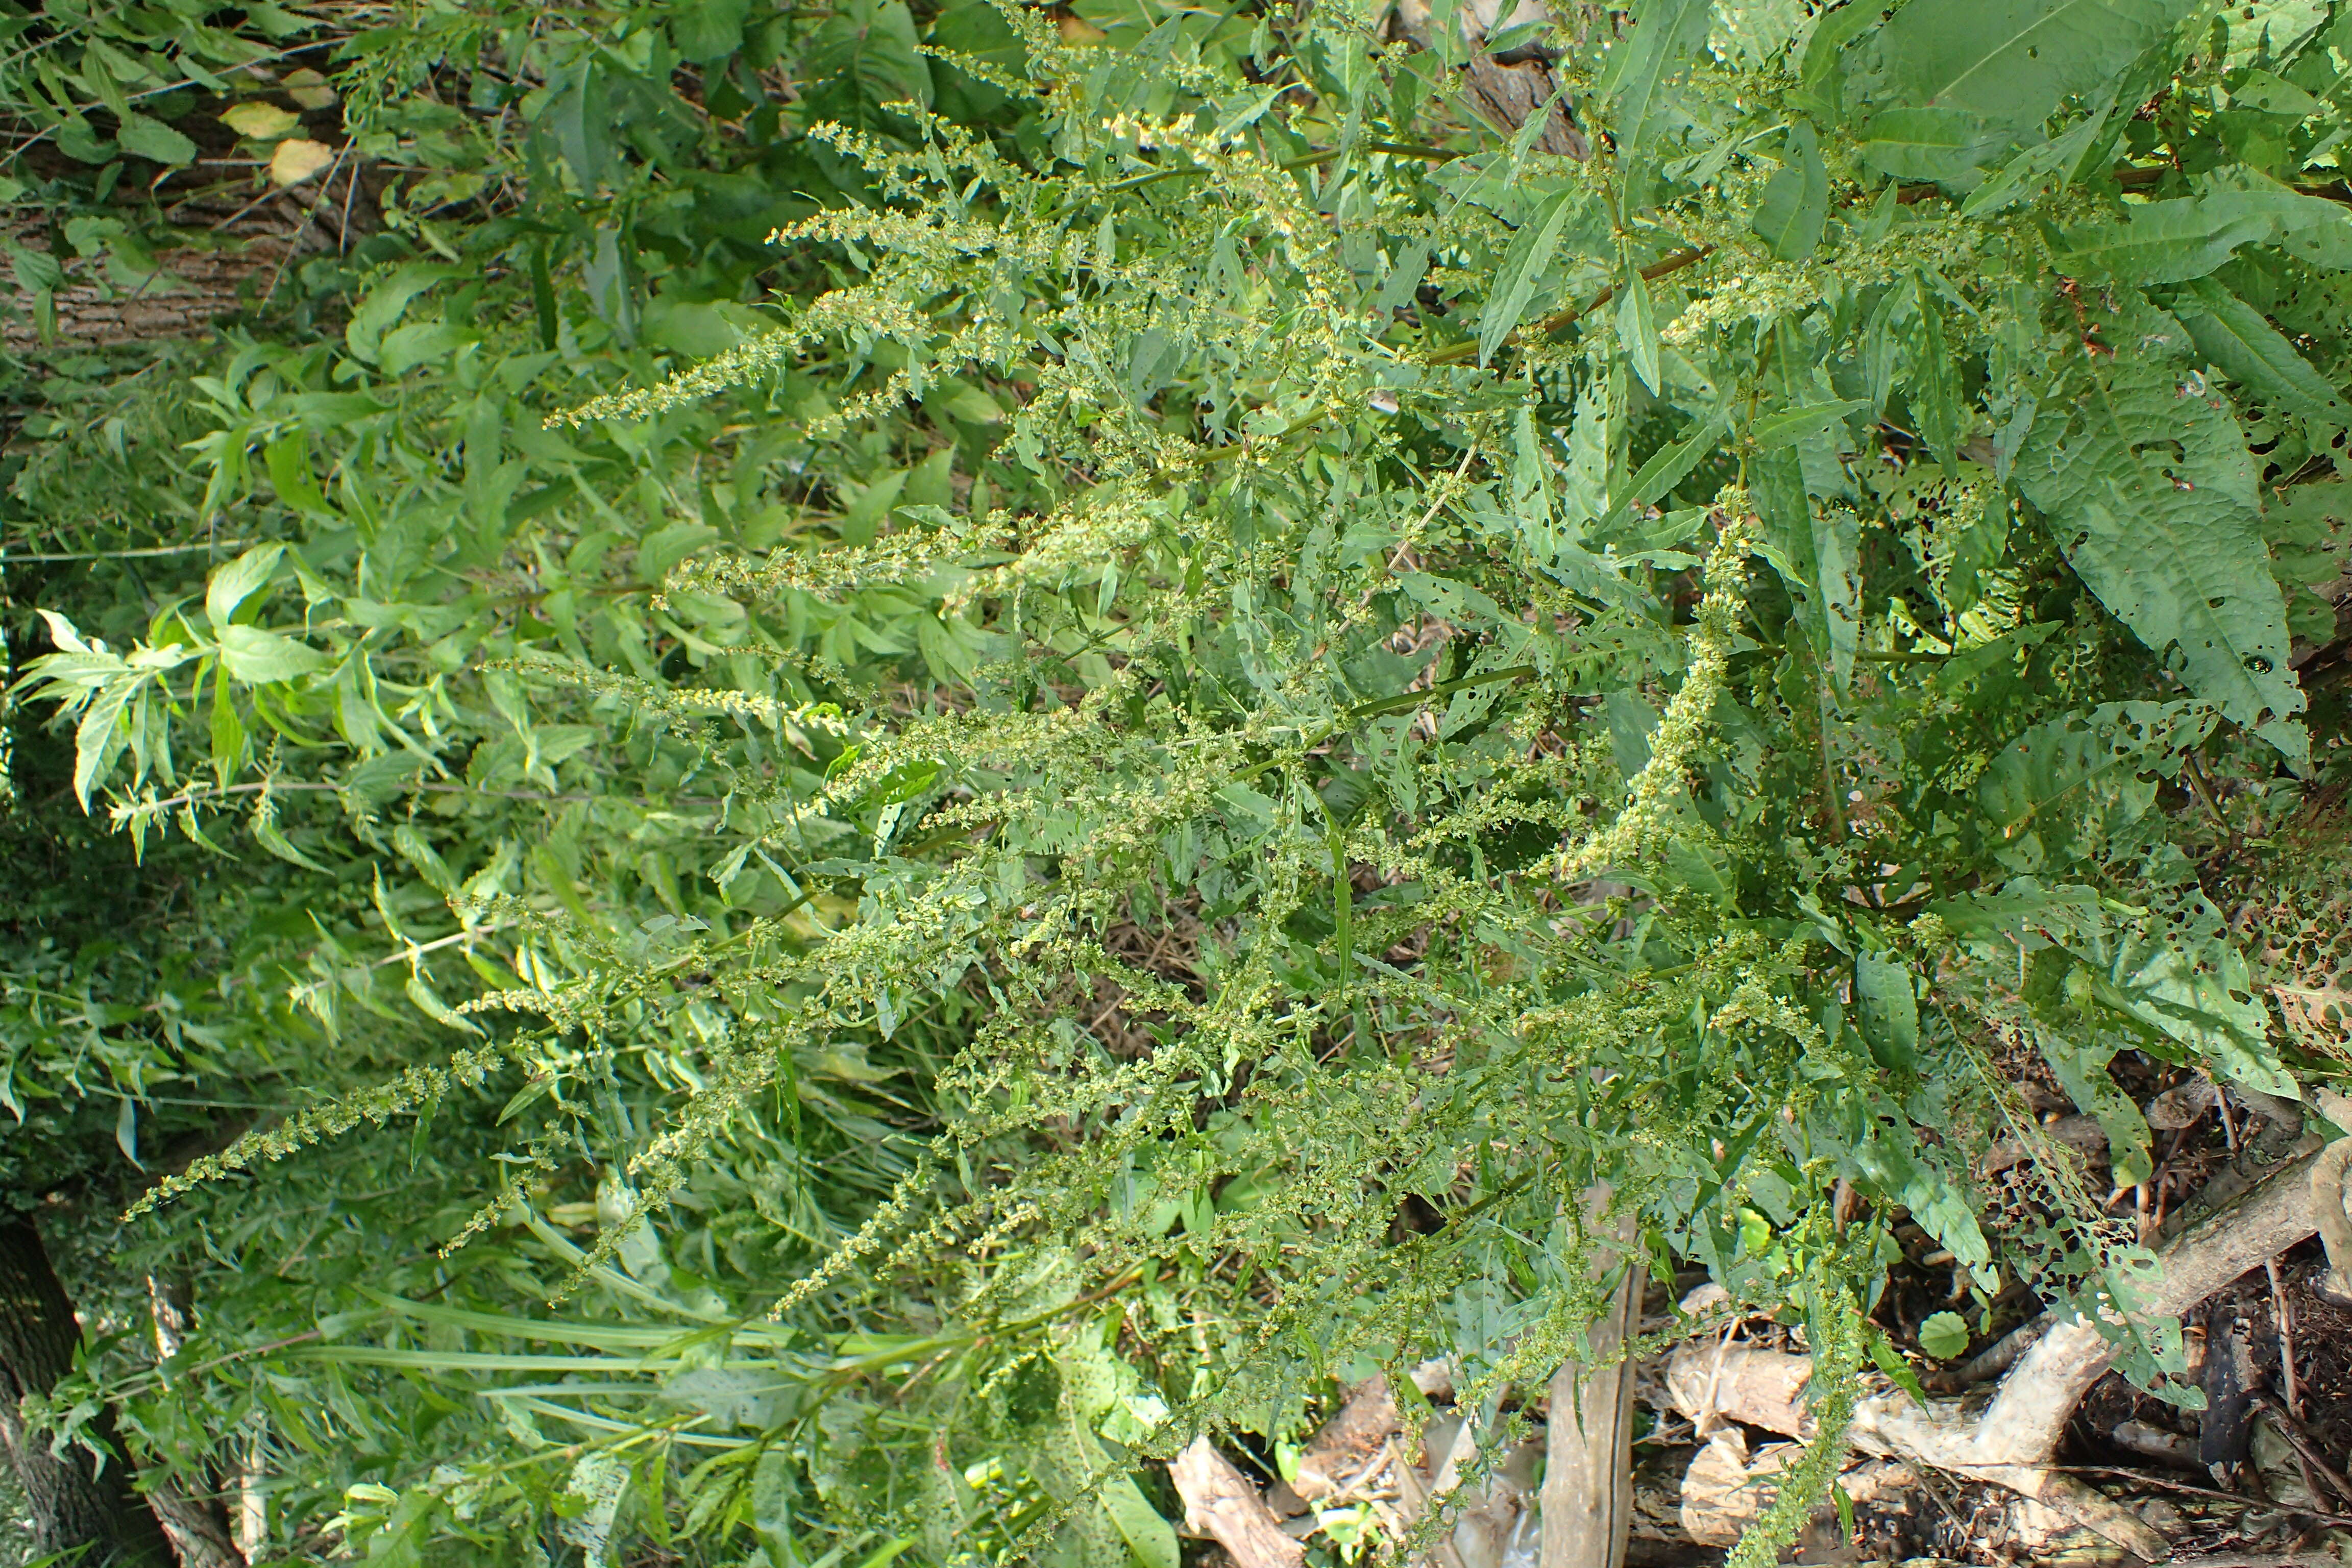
(1665, 33)
(2173, 241)
(1796, 202)
(1523, 268)
(2235, 337)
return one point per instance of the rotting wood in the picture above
(1220, 1503)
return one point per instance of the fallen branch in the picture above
(2010, 1443)
(1220, 1501)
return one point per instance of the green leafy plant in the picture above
(1334, 685)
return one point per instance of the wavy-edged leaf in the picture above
(2150, 492)
(2189, 236)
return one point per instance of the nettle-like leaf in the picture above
(2143, 472)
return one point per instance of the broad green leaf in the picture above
(2062, 791)
(1943, 144)
(2009, 61)
(1796, 202)
(256, 656)
(1665, 35)
(1523, 269)
(2197, 988)
(2236, 340)
(2151, 492)
(709, 30)
(1944, 1336)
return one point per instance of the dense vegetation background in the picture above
(782, 779)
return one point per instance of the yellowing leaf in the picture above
(309, 88)
(262, 122)
(298, 159)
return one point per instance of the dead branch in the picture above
(1220, 1502)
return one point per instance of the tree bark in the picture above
(75, 1502)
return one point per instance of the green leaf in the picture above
(1668, 467)
(1890, 1361)
(2039, 171)
(1667, 35)
(1637, 327)
(1796, 203)
(255, 657)
(1836, 624)
(144, 138)
(1523, 269)
(707, 31)
(1889, 1005)
(2151, 492)
(2064, 790)
(272, 838)
(2009, 62)
(235, 583)
(2189, 236)
(1787, 426)
(1934, 384)
(1945, 1335)
(1941, 144)
(100, 736)
(2237, 341)
(382, 305)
